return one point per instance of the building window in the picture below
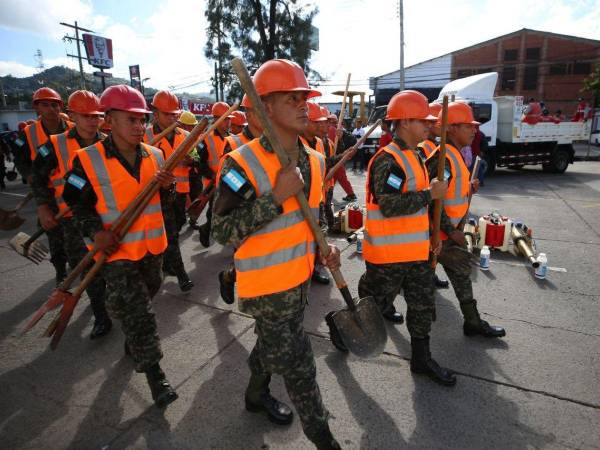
(509, 78)
(559, 69)
(530, 78)
(511, 55)
(532, 54)
(461, 73)
(582, 68)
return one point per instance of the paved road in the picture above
(537, 388)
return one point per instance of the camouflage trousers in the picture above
(56, 245)
(130, 286)
(172, 256)
(456, 263)
(384, 281)
(179, 209)
(75, 250)
(283, 348)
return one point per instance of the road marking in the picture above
(519, 264)
(14, 194)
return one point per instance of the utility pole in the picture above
(220, 64)
(401, 15)
(216, 83)
(78, 40)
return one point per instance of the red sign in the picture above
(99, 51)
(201, 109)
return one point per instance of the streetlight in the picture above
(145, 79)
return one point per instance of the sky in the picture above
(167, 37)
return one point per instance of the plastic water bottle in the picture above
(359, 242)
(484, 258)
(542, 269)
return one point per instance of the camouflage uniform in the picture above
(282, 345)
(130, 285)
(383, 281)
(172, 256)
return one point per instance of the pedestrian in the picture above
(238, 122)
(47, 184)
(345, 141)
(479, 147)
(165, 109)
(397, 246)
(454, 257)
(359, 160)
(104, 179)
(256, 210)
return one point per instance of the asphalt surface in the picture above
(537, 388)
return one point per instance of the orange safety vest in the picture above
(280, 255)
(36, 136)
(320, 147)
(64, 149)
(180, 172)
(116, 189)
(428, 147)
(236, 140)
(404, 238)
(456, 202)
(215, 145)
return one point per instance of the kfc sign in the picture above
(99, 51)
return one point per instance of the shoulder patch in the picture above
(19, 142)
(394, 181)
(447, 174)
(76, 181)
(43, 150)
(234, 180)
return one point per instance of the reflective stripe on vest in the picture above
(116, 189)
(280, 255)
(214, 152)
(399, 238)
(428, 147)
(163, 150)
(456, 202)
(64, 149)
(36, 136)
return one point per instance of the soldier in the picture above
(48, 171)
(210, 153)
(256, 210)
(165, 106)
(454, 257)
(238, 122)
(188, 121)
(397, 244)
(47, 104)
(104, 179)
(252, 130)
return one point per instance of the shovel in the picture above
(9, 218)
(361, 325)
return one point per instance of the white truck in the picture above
(512, 143)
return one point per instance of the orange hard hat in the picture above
(220, 108)
(123, 98)
(166, 102)
(84, 102)
(434, 109)
(314, 112)
(246, 102)
(47, 93)
(21, 125)
(239, 118)
(408, 105)
(459, 112)
(281, 75)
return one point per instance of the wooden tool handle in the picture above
(437, 204)
(163, 133)
(342, 114)
(248, 86)
(23, 202)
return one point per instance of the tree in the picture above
(592, 84)
(256, 31)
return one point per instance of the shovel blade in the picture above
(9, 220)
(57, 298)
(363, 330)
(35, 252)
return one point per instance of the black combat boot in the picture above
(226, 287)
(320, 274)
(324, 440)
(422, 362)
(439, 283)
(102, 326)
(334, 334)
(162, 392)
(61, 273)
(474, 325)
(185, 284)
(259, 400)
(204, 235)
(391, 315)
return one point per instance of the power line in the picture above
(77, 40)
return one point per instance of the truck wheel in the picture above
(560, 161)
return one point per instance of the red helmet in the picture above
(123, 98)
(47, 93)
(281, 75)
(21, 125)
(166, 102)
(239, 118)
(84, 102)
(314, 112)
(408, 105)
(220, 108)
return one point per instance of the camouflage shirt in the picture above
(203, 167)
(81, 197)
(236, 216)
(46, 162)
(23, 160)
(432, 167)
(390, 200)
(246, 132)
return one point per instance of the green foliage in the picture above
(257, 31)
(592, 84)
